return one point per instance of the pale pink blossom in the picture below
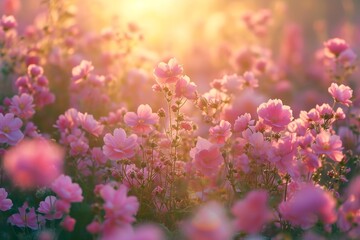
(11, 6)
(308, 205)
(328, 144)
(185, 88)
(26, 218)
(98, 155)
(48, 208)
(89, 124)
(207, 158)
(10, 132)
(209, 223)
(67, 190)
(34, 163)
(243, 122)
(22, 106)
(82, 71)
(219, 134)
(252, 212)
(275, 114)
(335, 46)
(94, 227)
(231, 83)
(341, 93)
(78, 147)
(34, 70)
(347, 57)
(118, 146)
(119, 207)
(168, 72)
(148, 232)
(5, 203)
(142, 121)
(68, 223)
(249, 80)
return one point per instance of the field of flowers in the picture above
(169, 119)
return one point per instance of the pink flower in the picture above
(142, 121)
(22, 106)
(26, 218)
(219, 134)
(80, 72)
(243, 122)
(347, 57)
(34, 163)
(335, 46)
(10, 129)
(119, 208)
(307, 206)
(68, 223)
(5, 203)
(148, 232)
(35, 70)
(94, 227)
(328, 144)
(230, 83)
(8, 22)
(78, 147)
(118, 146)
(341, 93)
(89, 124)
(48, 208)
(207, 158)
(275, 114)
(249, 80)
(252, 212)
(66, 189)
(168, 72)
(185, 88)
(209, 223)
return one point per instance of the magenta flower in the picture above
(34, 163)
(26, 218)
(307, 206)
(22, 106)
(10, 132)
(142, 122)
(330, 145)
(219, 134)
(335, 46)
(341, 93)
(243, 122)
(275, 114)
(207, 158)
(185, 88)
(252, 212)
(118, 146)
(67, 190)
(5, 203)
(8, 22)
(119, 208)
(168, 72)
(48, 207)
(89, 124)
(68, 223)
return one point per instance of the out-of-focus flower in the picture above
(34, 163)
(243, 122)
(148, 232)
(335, 46)
(48, 208)
(210, 222)
(252, 212)
(328, 144)
(341, 93)
(119, 208)
(8, 22)
(185, 88)
(26, 218)
(82, 71)
(168, 72)
(207, 157)
(66, 190)
(275, 114)
(35, 70)
(11, 6)
(143, 120)
(347, 57)
(307, 206)
(219, 134)
(68, 223)
(94, 227)
(5, 203)
(118, 146)
(10, 132)
(249, 80)
(22, 106)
